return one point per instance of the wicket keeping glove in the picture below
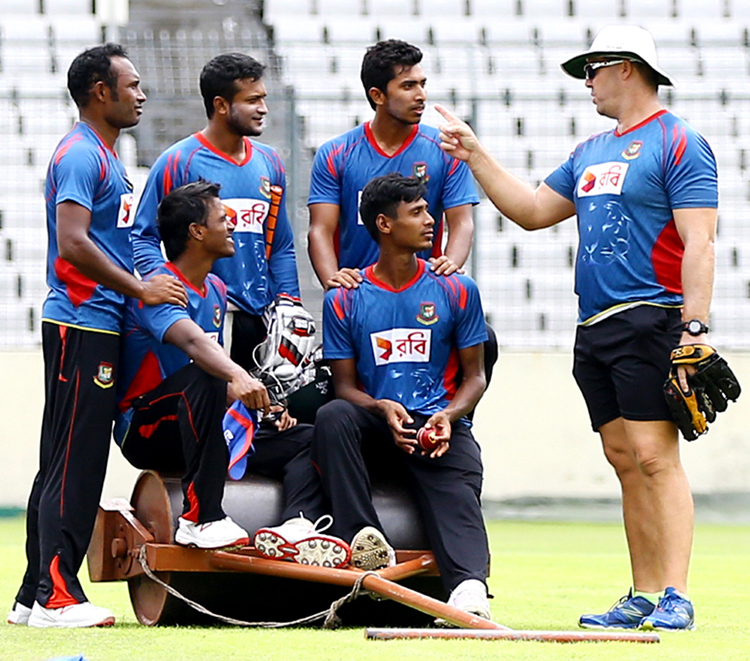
(710, 387)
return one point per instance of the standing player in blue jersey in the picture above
(176, 380)
(394, 141)
(395, 344)
(646, 196)
(89, 273)
(253, 186)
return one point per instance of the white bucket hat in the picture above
(627, 41)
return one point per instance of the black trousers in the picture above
(176, 427)
(80, 370)
(349, 440)
(248, 331)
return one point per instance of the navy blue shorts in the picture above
(621, 364)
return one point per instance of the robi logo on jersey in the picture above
(249, 214)
(603, 179)
(401, 345)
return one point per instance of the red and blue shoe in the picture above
(627, 613)
(674, 612)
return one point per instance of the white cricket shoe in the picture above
(19, 614)
(301, 541)
(470, 596)
(371, 550)
(219, 534)
(75, 616)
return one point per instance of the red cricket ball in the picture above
(427, 439)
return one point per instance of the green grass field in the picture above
(543, 576)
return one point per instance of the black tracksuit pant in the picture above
(447, 489)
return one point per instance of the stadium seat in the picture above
(339, 7)
(692, 10)
(442, 8)
(493, 9)
(281, 10)
(415, 32)
(639, 10)
(67, 7)
(377, 8)
(14, 7)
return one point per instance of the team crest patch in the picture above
(420, 172)
(217, 316)
(105, 376)
(427, 314)
(633, 150)
(265, 187)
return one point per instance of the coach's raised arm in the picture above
(531, 209)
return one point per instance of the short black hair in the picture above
(384, 194)
(90, 67)
(181, 208)
(220, 75)
(380, 62)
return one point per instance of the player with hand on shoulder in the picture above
(89, 274)
(395, 344)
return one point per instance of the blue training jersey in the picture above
(84, 170)
(406, 341)
(625, 187)
(254, 195)
(344, 165)
(146, 359)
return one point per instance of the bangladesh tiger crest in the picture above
(105, 375)
(265, 187)
(427, 314)
(633, 150)
(420, 172)
(217, 316)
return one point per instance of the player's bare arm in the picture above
(76, 247)
(697, 229)
(210, 356)
(345, 384)
(460, 224)
(530, 208)
(324, 221)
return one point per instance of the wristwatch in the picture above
(694, 327)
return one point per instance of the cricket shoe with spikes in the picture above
(302, 541)
(371, 550)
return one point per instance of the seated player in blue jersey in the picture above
(395, 345)
(177, 380)
(395, 140)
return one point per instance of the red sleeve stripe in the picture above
(329, 161)
(682, 145)
(454, 167)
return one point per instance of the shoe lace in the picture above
(669, 601)
(322, 523)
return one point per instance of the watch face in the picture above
(695, 327)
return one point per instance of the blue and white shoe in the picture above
(673, 613)
(627, 613)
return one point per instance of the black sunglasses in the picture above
(590, 68)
